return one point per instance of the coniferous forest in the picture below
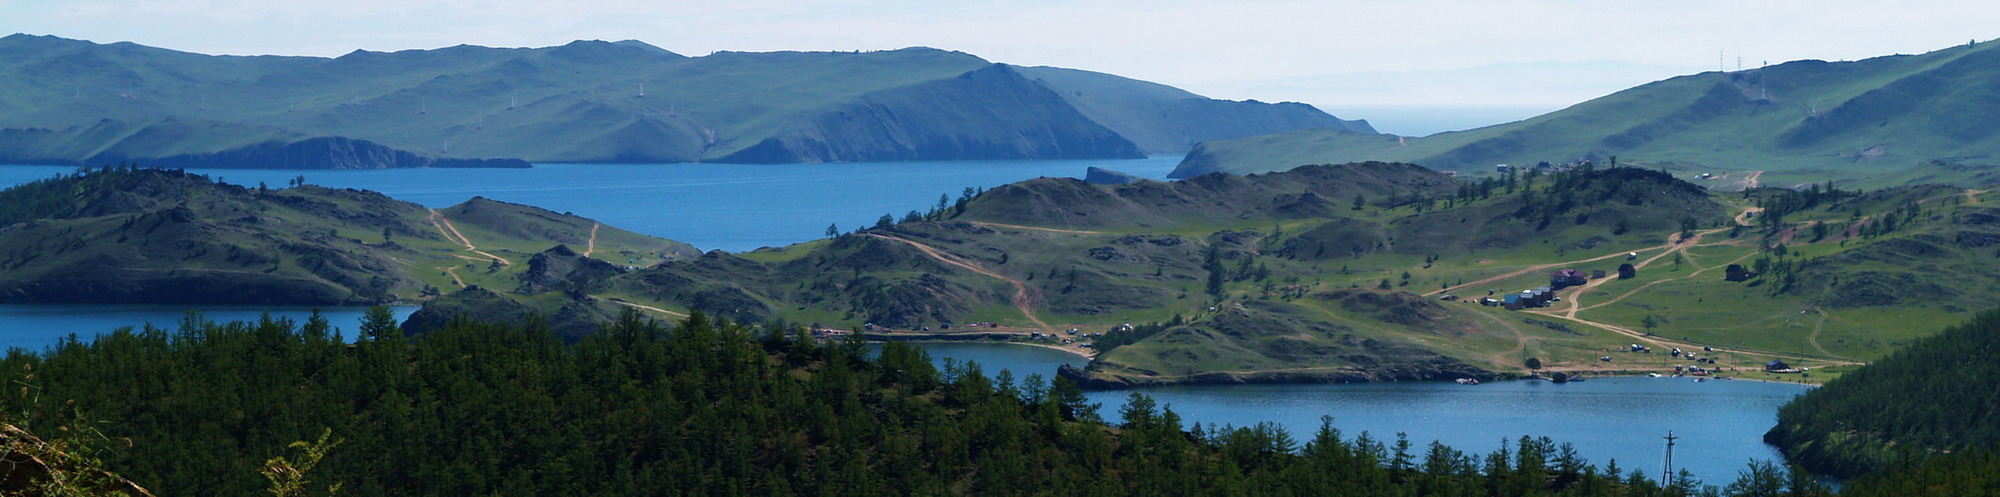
(1934, 395)
(702, 408)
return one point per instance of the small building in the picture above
(1501, 168)
(1567, 277)
(1777, 365)
(1626, 271)
(1596, 274)
(1511, 301)
(1736, 272)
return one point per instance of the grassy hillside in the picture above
(1279, 277)
(161, 236)
(1803, 121)
(1962, 175)
(989, 113)
(1162, 119)
(77, 102)
(1935, 397)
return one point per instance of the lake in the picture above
(734, 207)
(1721, 423)
(37, 326)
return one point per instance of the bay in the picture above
(1720, 423)
(733, 207)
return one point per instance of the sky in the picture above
(1409, 66)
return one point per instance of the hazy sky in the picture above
(1367, 59)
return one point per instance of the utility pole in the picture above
(1667, 474)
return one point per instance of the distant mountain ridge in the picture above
(1834, 118)
(68, 101)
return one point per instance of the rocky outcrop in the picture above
(560, 268)
(570, 318)
(1101, 176)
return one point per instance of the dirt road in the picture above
(648, 308)
(1023, 294)
(451, 233)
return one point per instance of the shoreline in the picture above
(1711, 378)
(1086, 357)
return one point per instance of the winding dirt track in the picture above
(1817, 327)
(451, 233)
(648, 308)
(1023, 294)
(591, 246)
(1671, 246)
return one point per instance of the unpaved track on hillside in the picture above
(1667, 342)
(1572, 312)
(1671, 246)
(1818, 326)
(648, 307)
(1023, 296)
(1743, 218)
(1575, 301)
(451, 233)
(591, 246)
(1750, 181)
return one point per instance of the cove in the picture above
(1720, 423)
(734, 207)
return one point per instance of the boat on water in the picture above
(1468, 381)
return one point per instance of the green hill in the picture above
(1956, 174)
(77, 102)
(1803, 121)
(1374, 268)
(163, 236)
(1930, 397)
(1269, 277)
(1162, 119)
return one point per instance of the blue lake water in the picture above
(37, 326)
(1721, 423)
(734, 207)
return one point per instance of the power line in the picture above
(1667, 474)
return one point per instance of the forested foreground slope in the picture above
(706, 408)
(1933, 396)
